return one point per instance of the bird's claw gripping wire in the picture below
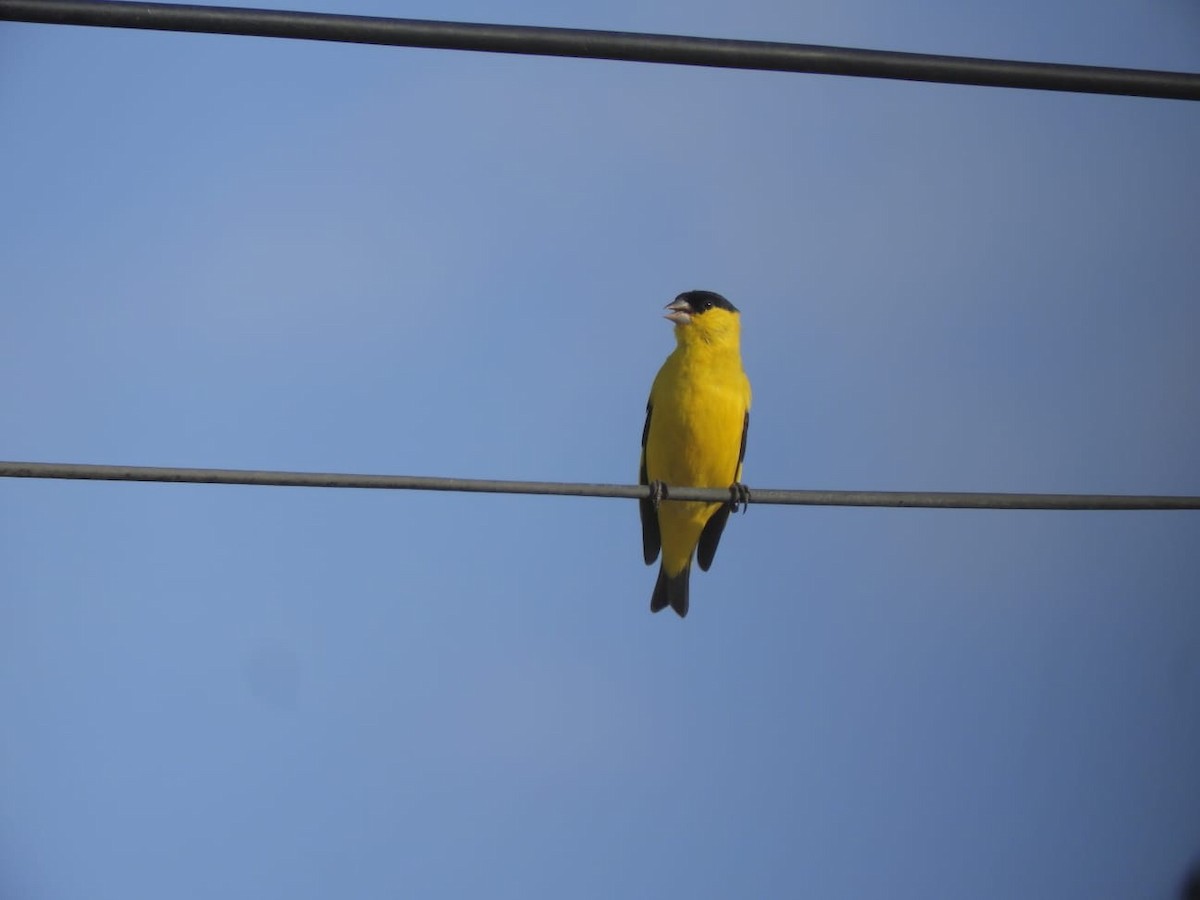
(739, 495)
(658, 493)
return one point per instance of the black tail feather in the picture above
(671, 591)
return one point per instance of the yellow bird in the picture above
(695, 436)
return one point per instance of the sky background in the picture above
(251, 253)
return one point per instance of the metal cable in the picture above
(629, 46)
(927, 499)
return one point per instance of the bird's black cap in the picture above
(699, 301)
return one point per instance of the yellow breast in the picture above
(699, 403)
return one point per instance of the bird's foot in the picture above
(658, 493)
(739, 495)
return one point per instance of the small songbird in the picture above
(695, 436)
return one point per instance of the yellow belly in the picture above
(694, 441)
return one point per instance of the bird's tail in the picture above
(671, 590)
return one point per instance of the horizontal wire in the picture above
(926, 499)
(613, 45)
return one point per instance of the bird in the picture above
(697, 419)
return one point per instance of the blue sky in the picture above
(235, 252)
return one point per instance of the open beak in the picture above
(681, 312)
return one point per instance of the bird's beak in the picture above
(681, 311)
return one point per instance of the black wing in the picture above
(711, 535)
(651, 539)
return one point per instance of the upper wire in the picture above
(612, 45)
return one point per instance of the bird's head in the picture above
(703, 315)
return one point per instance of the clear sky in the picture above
(249, 253)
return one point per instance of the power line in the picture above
(927, 499)
(613, 45)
